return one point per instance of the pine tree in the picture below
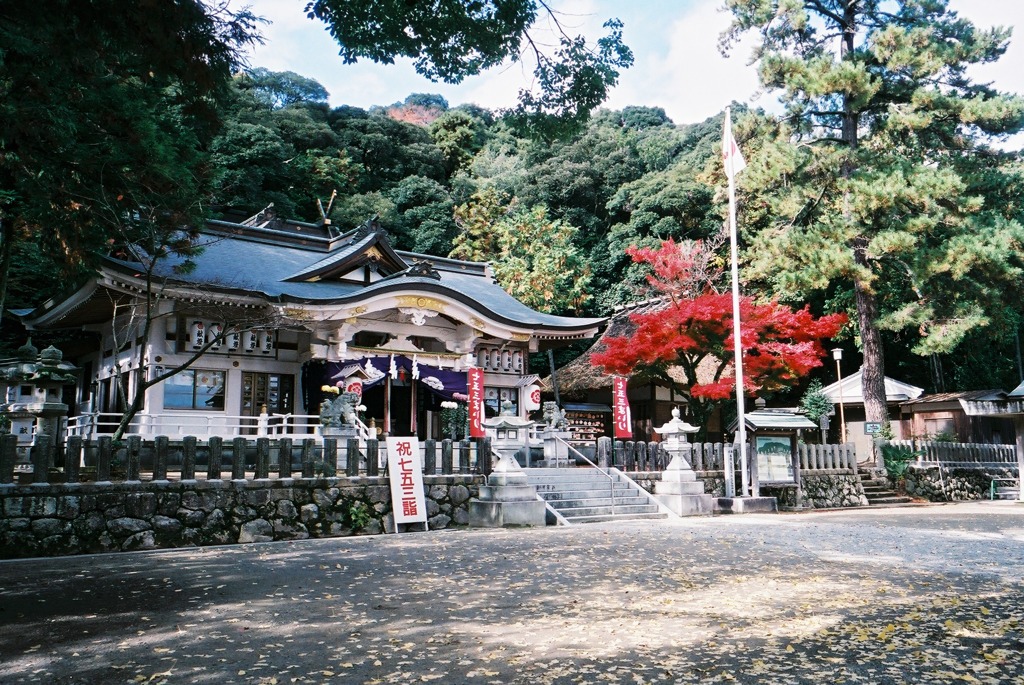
(879, 179)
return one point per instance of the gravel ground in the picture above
(904, 595)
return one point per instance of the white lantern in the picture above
(517, 361)
(234, 340)
(197, 334)
(267, 342)
(251, 341)
(215, 331)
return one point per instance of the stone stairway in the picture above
(877, 490)
(584, 495)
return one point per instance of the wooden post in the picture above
(446, 457)
(133, 469)
(429, 457)
(484, 457)
(262, 458)
(160, 447)
(372, 457)
(238, 447)
(284, 458)
(308, 462)
(640, 451)
(330, 457)
(8, 457)
(72, 459)
(106, 452)
(188, 457)
(41, 458)
(352, 457)
(215, 457)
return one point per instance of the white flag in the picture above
(731, 155)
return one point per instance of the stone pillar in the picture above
(556, 450)
(188, 457)
(1018, 428)
(215, 457)
(239, 446)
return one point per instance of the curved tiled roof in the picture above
(251, 263)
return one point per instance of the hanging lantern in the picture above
(267, 342)
(215, 332)
(506, 360)
(251, 341)
(234, 340)
(197, 334)
(517, 361)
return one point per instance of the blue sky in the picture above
(678, 66)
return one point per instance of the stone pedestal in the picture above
(507, 500)
(556, 450)
(680, 491)
(746, 505)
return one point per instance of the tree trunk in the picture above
(873, 378)
(6, 252)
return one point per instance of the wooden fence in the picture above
(960, 453)
(707, 456)
(238, 459)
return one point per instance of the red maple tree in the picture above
(688, 326)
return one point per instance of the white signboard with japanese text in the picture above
(405, 469)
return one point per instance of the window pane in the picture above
(209, 390)
(178, 390)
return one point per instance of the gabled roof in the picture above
(580, 375)
(943, 397)
(286, 263)
(895, 391)
(996, 403)
(774, 418)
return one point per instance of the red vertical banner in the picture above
(620, 408)
(475, 382)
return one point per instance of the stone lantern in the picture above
(508, 499)
(679, 489)
(31, 389)
(509, 432)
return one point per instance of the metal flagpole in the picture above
(730, 152)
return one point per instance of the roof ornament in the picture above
(423, 269)
(371, 227)
(262, 218)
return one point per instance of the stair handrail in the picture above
(622, 474)
(609, 476)
(651, 498)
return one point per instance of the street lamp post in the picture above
(837, 354)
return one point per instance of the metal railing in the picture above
(579, 455)
(202, 425)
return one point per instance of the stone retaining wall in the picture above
(953, 484)
(52, 520)
(821, 490)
